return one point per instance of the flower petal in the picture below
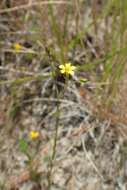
(63, 71)
(71, 72)
(61, 66)
(73, 67)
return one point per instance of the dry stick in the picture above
(23, 80)
(24, 50)
(18, 71)
(94, 15)
(26, 6)
(91, 161)
(28, 11)
(77, 13)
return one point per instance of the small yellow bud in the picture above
(34, 134)
(17, 47)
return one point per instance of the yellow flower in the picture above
(34, 134)
(17, 47)
(67, 69)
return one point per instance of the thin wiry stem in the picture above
(55, 140)
(57, 114)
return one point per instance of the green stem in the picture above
(58, 95)
(55, 140)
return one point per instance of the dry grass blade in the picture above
(91, 161)
(31, 5)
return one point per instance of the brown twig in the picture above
(26, 6)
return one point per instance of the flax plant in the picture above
(66, 70)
